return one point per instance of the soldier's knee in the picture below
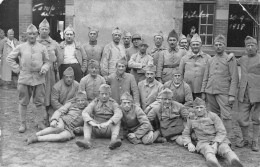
(148, 138)
(179, 141)
(242, 122)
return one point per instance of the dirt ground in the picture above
(16, 153)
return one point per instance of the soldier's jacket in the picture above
(170, 120)
(149, 92)
(61, 93)
(155, 53)
(193, 69)
(33, 58)
(135, 121)
(168, 60)
(221, 75)
(130, 51)
(250, 78)
(91, 86)
(102, 112)
(207, 129)
(181, 94)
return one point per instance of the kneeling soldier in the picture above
(211, 135)
(102, 118)
(66, 121)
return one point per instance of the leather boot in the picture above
(233, 159)
(84, 144)
(114, 144)
(22, 127)
(211, 160)
(255, 146)
(245, 134)
(22, 113)
(32, 139)
(40, 117)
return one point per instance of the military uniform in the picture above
(155, 54)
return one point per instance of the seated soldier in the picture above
(181, 90)
(211, 135)
(64, 123)
(136, 126)
(102, 118)
(170, 116)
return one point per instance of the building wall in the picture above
(25, 14)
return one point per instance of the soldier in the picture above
(92, 49)
(183, 43)
(140, 60)
(249, 93)
(181, 90)
(169, 59)
(64, 90)
(211, 136)
(136, 40)
(113, 52)
(220, 83)
(150, 87)
(193, 66)
(6, 47)
(102, 118)
(53, 51)
(92, 81)
(170, 115)
(72, 55)
(122, 82)
(65, 122)
(127, 39)
(33, 65)
(136, 126)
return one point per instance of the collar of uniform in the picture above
(149, 84)
(158, 49)
(176, 49)
(142, 55)
(63, 44)
(100, 104)
(119, 77)
(39, 39)
(192, 55)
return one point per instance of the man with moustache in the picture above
(33, 65)
(183, 42)
(92, 49)
(127, 39)
(91, 82)
(113, 52)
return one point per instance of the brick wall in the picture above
(25, 14)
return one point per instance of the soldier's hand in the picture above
(43, 71)
(215, 147)
(191, 147)
(78, 130)
(203, 96)
(54, 123)
(93, 124)
(105, 124)
(131, 135)
(231, 100)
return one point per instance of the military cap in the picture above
(93, 29)
(144, 42)
(116, 31)
(160, 33)
(250, 39)
(166, 93)
(44, 23)
(198, 102)
(127, 96)
(69, 28)
(220, 38)
(127, 34)
(150, 67)
(182, 37)
(69, 71)
(105, 88)
(31, 28)
(176, 71)
(136, 36)
(195, 38)
(173, 34)
(10, 30)
(82, 94)
(93, 63)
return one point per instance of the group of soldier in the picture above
(123, 91)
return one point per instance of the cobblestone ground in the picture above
(16, 153)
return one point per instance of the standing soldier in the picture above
(249, 93)
(140, 60)
(193, 66)
(150, 87)
(72, 55)
(102, 117)
(127, 39)
(113, 52)
(183, 43)
(169, 59)
(53, 52)
(33, 65)
(6, 47)
(220, 83)
(92, 49)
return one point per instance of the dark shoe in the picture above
(84, 144)
(243, 143)
(32, 139)
(41, 126)
(160, 140)
(255, 146)
(211, 163)
(114, 144)
(22, 127)
(236, 163)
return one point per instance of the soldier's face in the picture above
(126, 105)
(172, 41)
(136, 42)
(251, 49)
(200, 110)
(93, 70)
(10, 35)
(184, 43)
(195, 47)
(177, 78)
(143, 48)
(116, 38)
(121, 68)
(81, 102)
(158, 40)
(126, 40)
(44, 31)
(31, 36)
(68, 79)
(104, 96)
(219, 47)
(69, 36)
(150, 75)
(93, 36)
(167, 101)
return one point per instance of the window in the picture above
(200, 17)
(241, 24)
